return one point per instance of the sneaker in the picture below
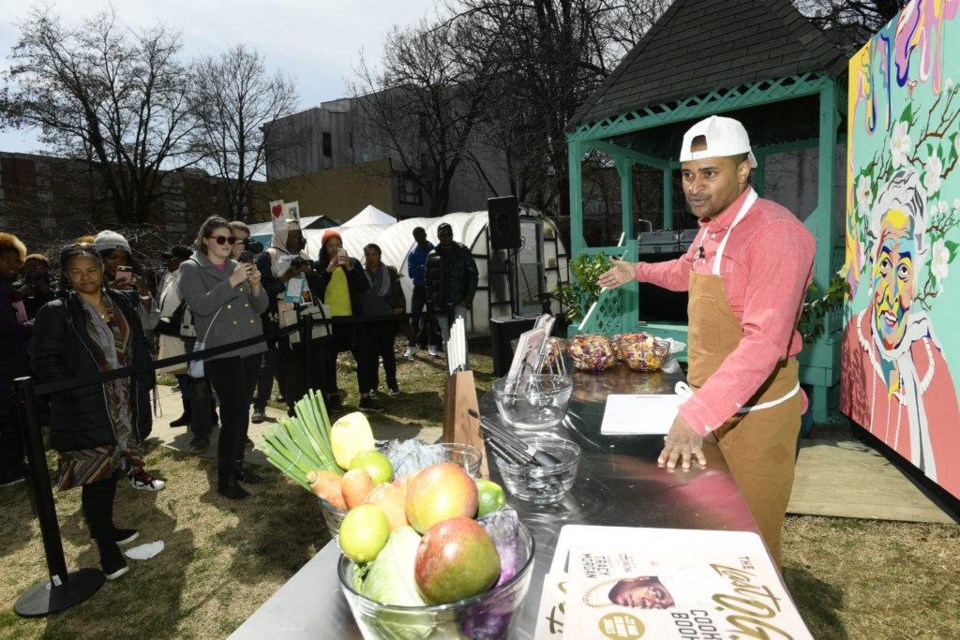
(199, 446)
(369, 404)
(432, 350)
(394, 392)
(410, 352)
(140, 479)
(114, 568)
(112, 562)
(122, 536)
(257, 416)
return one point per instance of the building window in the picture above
(327, 145)
(410, 193)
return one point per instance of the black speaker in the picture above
(504, 224)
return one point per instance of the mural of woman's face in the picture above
(893, 277)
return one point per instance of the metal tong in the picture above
(511, 447)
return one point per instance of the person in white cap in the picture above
(747, 274)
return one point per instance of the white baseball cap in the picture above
(725, 137)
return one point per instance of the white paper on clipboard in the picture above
(639, 414)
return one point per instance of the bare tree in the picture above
(421, 110)
(233, 97)
(850, 22)
(105, 95)
(552, 54)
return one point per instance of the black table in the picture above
(618, 484)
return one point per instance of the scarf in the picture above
(112, 350)
(379, 282)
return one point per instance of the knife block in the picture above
(459, 396)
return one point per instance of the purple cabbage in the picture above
(503, 527)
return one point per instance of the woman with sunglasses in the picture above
(97, 429)
(226, 300)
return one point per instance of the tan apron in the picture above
(759, 442)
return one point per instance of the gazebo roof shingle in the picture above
(701, 45)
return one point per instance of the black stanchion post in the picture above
(63, 589)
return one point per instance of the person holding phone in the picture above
(123, 272)
(338, 280)
(226, 299)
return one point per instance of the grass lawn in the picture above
(223, 559)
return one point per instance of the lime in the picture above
(363, 533)
(491, 497)
(374, 463)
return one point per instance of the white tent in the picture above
(369, 215)
(542, 261)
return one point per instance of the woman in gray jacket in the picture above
(226, 300)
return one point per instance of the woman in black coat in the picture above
(97, 429)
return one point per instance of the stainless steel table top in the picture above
(618, 484)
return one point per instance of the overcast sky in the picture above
(317, 42)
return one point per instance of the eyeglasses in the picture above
(225, 239)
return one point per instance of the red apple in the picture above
(456, 559)
(438, 493)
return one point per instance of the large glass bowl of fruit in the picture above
(461, 578)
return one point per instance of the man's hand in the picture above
(620, 274)
(681, 443)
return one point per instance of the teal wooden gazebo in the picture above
(759, 61)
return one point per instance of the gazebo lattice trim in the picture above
(726, 99)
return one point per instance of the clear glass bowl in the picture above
(642, 351)
(533, 402)
(591, 352)
(486, 616)
(463, 455)
(542, 485)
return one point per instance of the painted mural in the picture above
(901, 345)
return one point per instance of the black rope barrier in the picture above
(63, 589)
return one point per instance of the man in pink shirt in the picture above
(747, 273)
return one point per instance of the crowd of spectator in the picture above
(104, 311)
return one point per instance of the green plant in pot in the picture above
(582, 290)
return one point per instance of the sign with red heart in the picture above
(276, 208)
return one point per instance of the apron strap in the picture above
(683, 390)
(747, 203)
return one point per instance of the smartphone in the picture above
(247, 256)
(124, 273)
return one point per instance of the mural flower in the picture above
(940, 263)
(864, 194)
(932, 169)
(900, 144)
